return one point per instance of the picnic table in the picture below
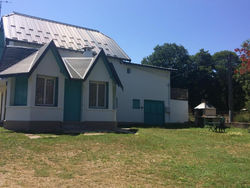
(215, 123)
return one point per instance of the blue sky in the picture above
(139, 25)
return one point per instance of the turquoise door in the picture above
(72, 100)
(154, 112)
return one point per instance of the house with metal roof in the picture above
(55, 74)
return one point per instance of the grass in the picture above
(242, 117)
(155, 157)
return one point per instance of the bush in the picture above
(242, 117)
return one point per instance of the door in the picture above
(154, 113)
(72, 100)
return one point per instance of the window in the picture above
(136, 104)
(45, 91)
(98, 95)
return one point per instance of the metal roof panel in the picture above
(33, 29)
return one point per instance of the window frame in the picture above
(97, 95)
(45, 89)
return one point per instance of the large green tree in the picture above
(221, 60)
(204, 75)
(174, 56)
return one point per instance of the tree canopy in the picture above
(204, 75)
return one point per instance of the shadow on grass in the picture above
(165, 126)
(73, 132)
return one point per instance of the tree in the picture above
(171, 55)
(200, 80)
(242, 73)
(221, 78)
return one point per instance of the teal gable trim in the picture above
(60, 62)
(112, 73)
(21, 91)
(57, 56)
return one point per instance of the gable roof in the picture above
(28, 64)
(72, 67)
(25, 28)
(81, 67)
(204, 105)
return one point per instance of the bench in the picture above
(215, 124)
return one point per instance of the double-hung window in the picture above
(45, 91)
(98, 94)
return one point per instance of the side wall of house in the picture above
(47, 67)
(143, 84)
(178, 111)
(99, 73)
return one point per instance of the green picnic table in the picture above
(215, 123)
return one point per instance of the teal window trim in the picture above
(21, 91)
(136, 104)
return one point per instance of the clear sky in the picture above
(139, 25)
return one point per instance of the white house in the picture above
(54, 74)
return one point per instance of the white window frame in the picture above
(97, 90)
(44, 92)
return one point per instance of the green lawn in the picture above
(154, 157)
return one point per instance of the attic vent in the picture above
(71, 42)
(18, 32)
(62, 46)
(54, 39)
(85, 40)
(47, 32)
(99, 43)
(71, 37)
(107, 49)
(64, 36)
(12, 25)
(86, 45)
(93, 41)
(56, 34)
(31, 29)
(46, 37)
(63, 41)
(105, 44)
(22, 28)
(28, 34)
(25, 40)
(37, 36)
(39, 31)
(34, 41)
(78, 39)
(14, 38)
(78, 44)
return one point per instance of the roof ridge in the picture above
(48, 20)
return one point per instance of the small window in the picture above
(128, 70)
(98, 95)
(136, 104)
(45, 91)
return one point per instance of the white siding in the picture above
(99, 73)
(143, 84)
(179, 111)
(48, 67)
